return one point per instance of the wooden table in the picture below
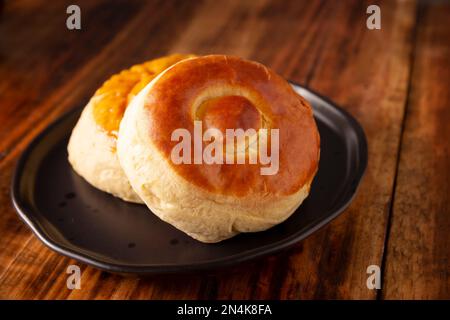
(395, 81)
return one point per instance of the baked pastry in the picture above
(188, 186)
(92, 145)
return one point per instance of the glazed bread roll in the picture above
(189, 187)
(92, 145)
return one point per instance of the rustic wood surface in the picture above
(417, 260)
(394, 81)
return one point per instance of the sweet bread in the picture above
(92, 145)
(216, 187)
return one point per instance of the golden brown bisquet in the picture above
(92, 145)
(213, 202)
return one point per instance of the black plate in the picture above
(79, 221)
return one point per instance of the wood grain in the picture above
(46, 70)
(418, 253)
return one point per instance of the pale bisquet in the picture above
(213, 202)
(92, 145)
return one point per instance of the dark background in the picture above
(394, 81)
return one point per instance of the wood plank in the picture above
(322, 44)
(112, 56)
(418, 255)
(366, 72)
(39, 55)
(36, 62)
(332, 263)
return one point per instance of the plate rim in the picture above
(283, 244)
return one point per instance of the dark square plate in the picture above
(79, 221)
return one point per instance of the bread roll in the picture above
(92, 145)
(213, 201)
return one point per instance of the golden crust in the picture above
(173, 102)
(111, 99)
(92, 145)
